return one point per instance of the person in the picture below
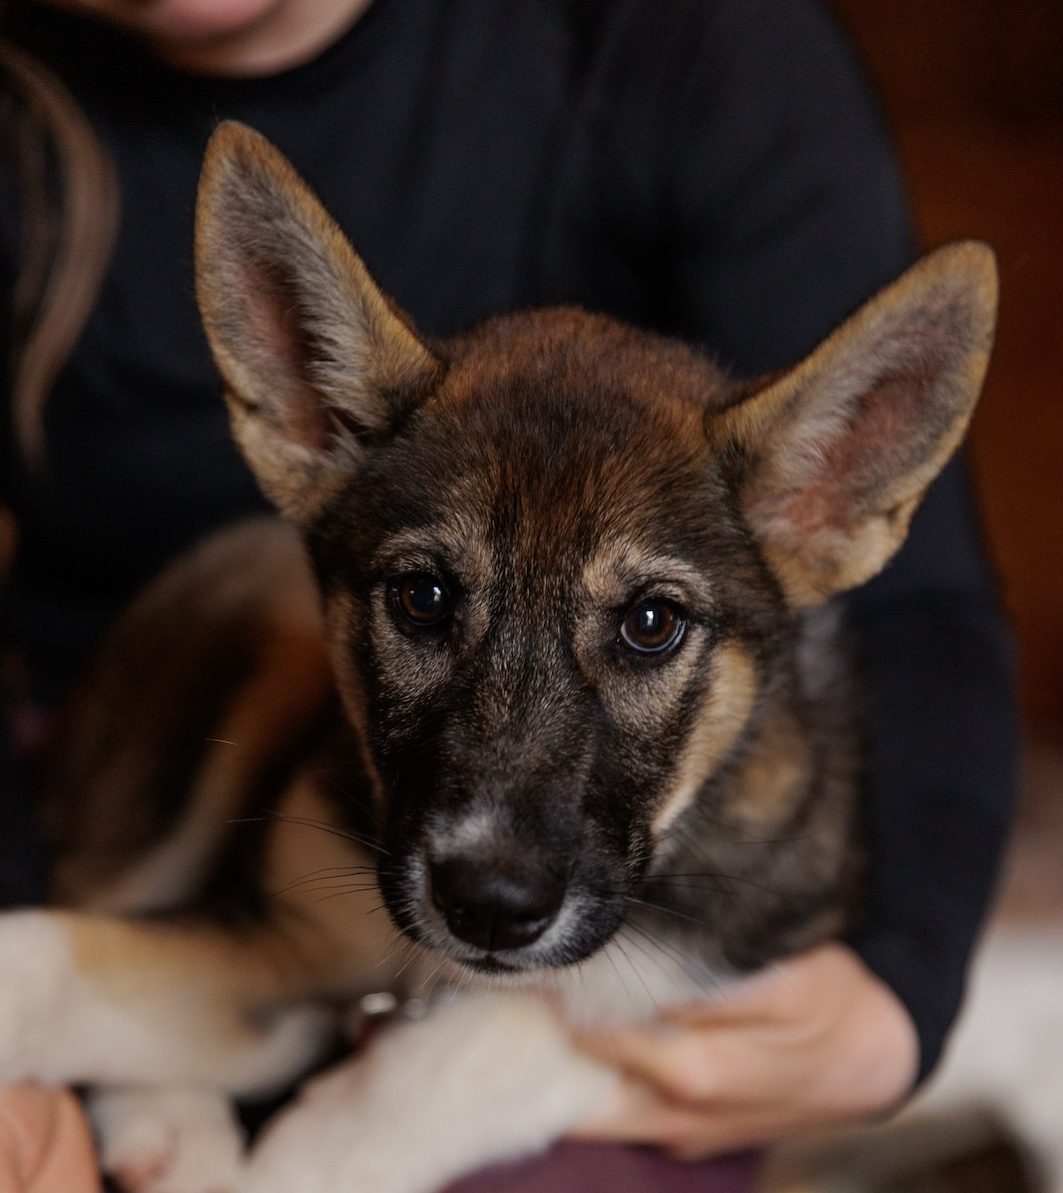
(44, 1143)
(711, 169)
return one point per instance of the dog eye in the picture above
(420, 599)
(652, 627)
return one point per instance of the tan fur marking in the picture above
(775, 773)
(286, 695)
(328, 882)
(309, 947)
(609, 574)
(111, 953)
(412, 674)
(462, 541)
(462, 544)
(731, 692)
(608, 578)
(640, 702)
(341, 614)
(244, 606)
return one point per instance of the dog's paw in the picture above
(168, 1140)
(35, 976)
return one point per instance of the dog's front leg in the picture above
(169, 1139)
(486, 1078)
(103, 1000)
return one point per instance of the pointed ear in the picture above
(314, 359)
(838, 452)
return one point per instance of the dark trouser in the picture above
(608, 1168)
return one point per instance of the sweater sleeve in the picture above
(787, 211)
(939, 669)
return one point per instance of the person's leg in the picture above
(609, 1168)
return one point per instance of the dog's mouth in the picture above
(492, 966)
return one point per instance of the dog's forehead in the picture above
(548, 473)
(558, 442)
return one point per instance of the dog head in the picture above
(562, 560)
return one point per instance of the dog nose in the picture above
(496, 906)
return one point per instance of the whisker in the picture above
(323, 873)
(401, 940)
(634, 968)
(679, 915)
(414, 952)
(700, 979)
(362, 796)
(325, 827)
(697, 816)
(425, 981)
(366, 881)
(354, 890)
(329, 886)
(616, 970)
(708, 876)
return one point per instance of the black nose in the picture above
(497, 905)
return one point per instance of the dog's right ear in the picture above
(838, 452)
(314, 359)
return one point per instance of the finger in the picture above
(732, 1065)
(711, 1014)
(45, 1145)
(10, 1181)
(766, 995)
(69, 1163)
(634, 1113)
(27, 1126)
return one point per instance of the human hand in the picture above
(45, 1145)
(816, 1041)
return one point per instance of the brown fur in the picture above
(552, 470)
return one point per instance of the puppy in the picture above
(593, 734)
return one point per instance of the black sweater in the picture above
(709, 168)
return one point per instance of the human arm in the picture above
(944, 738)
(784, 211)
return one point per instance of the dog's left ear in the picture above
(837, 453)
(315, 360)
